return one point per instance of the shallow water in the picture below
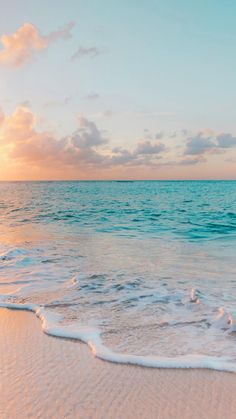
(149, 264)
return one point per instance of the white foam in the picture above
(91, 336)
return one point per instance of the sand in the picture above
(47, 377)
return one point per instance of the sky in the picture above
(101, 89)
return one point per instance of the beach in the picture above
(117, 209)
(48, 377)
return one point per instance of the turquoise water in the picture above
(148, 263)
(176, 209)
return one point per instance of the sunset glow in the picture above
(77, 104)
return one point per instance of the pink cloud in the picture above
(27, 152)
(20, 47)
(25, 143)
(85, 147)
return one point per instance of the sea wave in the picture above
(91, 336)
(121, 259)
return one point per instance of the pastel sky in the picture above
(129, 89)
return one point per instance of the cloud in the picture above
(86, 52)
(63, 33)
(209, 143)
(86, 146)
(146, 147)
(88, 135)
(92, 96)
(24, 142)
(199, 145)
(226, 140)
(144, 153)
(121, 156)
(191, 161)
(20, 47)
(159, 135)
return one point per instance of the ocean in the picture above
(144, 272)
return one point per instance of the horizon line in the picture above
(119, 180)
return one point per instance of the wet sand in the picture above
(46, 377)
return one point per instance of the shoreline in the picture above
(50, 325)
(44, 377)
